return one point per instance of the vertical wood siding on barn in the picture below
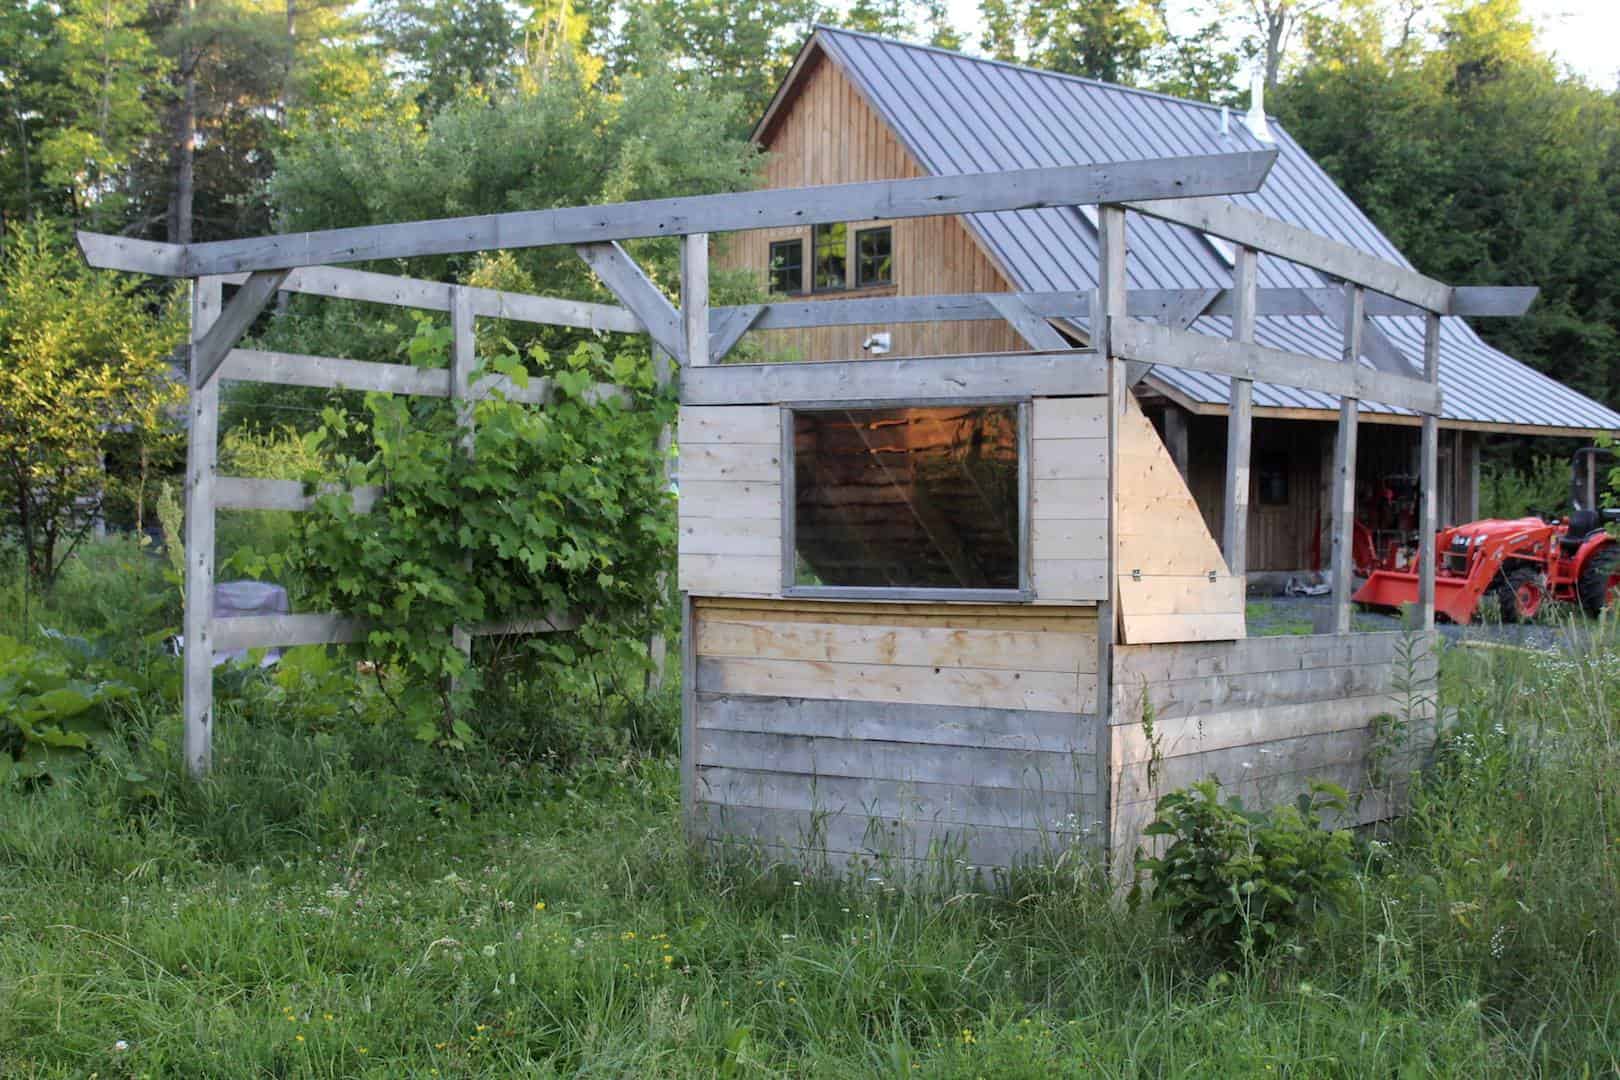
(831, 732)
(730, 500)
(1266, 716)
(829, 135)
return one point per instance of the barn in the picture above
(858, 107)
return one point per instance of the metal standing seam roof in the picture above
(959, 114)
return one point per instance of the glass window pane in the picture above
(787, 266)
(907, 497)
(874, 263)
(832, 251)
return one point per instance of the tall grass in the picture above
(337, 901)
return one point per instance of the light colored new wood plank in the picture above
(730, 575)
(1057, 538)
(730, 461)
(941, 725)
(910, 645)
(1017, 770)
(730, 536)
(1069, 500)
(977, 616)
(754, 425)
(1071, 459)
(1071, 579)
(1070, 418)
(980, 687)
(728, 498)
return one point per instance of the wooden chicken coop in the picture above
(953, 605)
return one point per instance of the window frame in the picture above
(1024, 592)
(855, 250)
(770, 266)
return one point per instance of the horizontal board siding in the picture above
(730, 523)
(1267, 716)
(808, 837)
(896, 800)
(972, 722)
(1069, 507)
(965, 728)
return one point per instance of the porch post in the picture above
(1239, 421)
(202, 452)
(1344, 470)
(1428, 475)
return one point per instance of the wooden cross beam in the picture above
(619, 272)
(233, 322)
(1023, 189)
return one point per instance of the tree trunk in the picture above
(183, 153)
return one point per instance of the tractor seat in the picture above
(1582, 523)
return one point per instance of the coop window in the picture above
(909, 499)
(787, 266)
(1271, 477)
(831, 247)
(874, 257)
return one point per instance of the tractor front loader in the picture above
(1521, 562)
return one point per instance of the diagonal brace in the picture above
(626, 280)
(728, 328)
(1036, 331)
(251, 299)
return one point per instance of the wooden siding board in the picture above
(832, 642)
(985, 687)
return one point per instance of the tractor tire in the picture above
(1593, 585)
(1519, 594)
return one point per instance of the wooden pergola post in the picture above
(1344, 469)
(463, 355)
(1239, 419)
(1109, 308)
(202, 454)
(1428, 476)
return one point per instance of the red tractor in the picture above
(1521, 562)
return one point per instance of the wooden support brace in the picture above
(1036, 331)
(232, 323)
(1376, 346)
(619, 272)
(1239, 421)
(1427, 481)
(727, 327)
(202, 450)
(1344, 471)
(695, 299)
(1109, 306)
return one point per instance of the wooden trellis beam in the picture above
(1022, 189)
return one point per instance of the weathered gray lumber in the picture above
(1110, 306)
(1027, 189)
(285, 631)
(233, 322)
(1374, 344)
(916, 380)
(1428, 481)
(1137, 340)
(330, 372)
(695, 299)
(1221, 217)
(943, 725)
(727, 327)
(1022, 770)
(689, 719)
(892, 800)
(463, 358)
(124, 253)
(1344, 468)
(626, 280)
(1036, 331)
(251, 493)
(1197, 660)
(1167, 305)
(202, 452)
(1239, 419)
(343, 283)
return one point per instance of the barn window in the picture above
(874, 257)
(787, 266)
(913, 498)
(1271, 477)
(831, 245)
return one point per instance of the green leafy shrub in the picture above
(1239, 881)
(51, 714)
(559, 511)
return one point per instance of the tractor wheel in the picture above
(1519, 594)
(1599, 579)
